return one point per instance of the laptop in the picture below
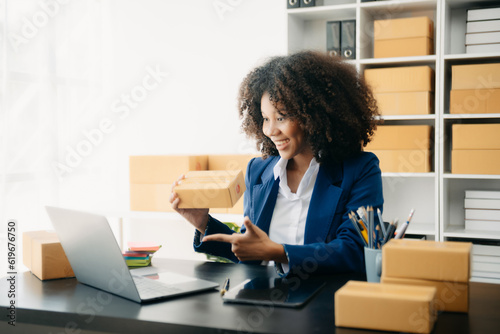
(96, 259)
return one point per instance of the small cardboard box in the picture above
(475, 101)
(475, 162)
(44, 255)
(477, 76)
(158, 169)
(403, 47)
(230, 162)
(409, 27)
(386, 307)
(211, 189)
(400, 79)
(405, 103)
(404, 161)
(401, 137)
(476, 137)
(428, 260)
(150, 197)
(450, 296)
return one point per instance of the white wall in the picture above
(205, 46)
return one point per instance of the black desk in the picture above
(66, 306)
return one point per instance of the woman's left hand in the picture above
(252, 245)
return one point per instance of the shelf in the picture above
(324, 12)
(417, 60)
(395, 6)
(469, 116)
(421, 228)
(461, 232)
(471, 176)
(407, 117)
(413, 175)
(471, 56)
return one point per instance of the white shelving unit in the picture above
(438, 197)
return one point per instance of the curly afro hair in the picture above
(331, 101)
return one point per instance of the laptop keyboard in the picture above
(151, 289)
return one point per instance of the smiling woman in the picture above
(311, 115)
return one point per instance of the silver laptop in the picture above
(96, 259)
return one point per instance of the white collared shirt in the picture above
(288, 223)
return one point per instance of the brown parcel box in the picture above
(410, 27)
(401, 137)
(211, 189)
(150, 197)
(404, 161)
(430, 260)
(475, 162)
(158, 169)
(478, 76)
(44, 255)
(475, 101)
(400, 79)
(230, 162)
(387, 307)
(450, 296)
(405, 103)
(476, 137)
(403, 47)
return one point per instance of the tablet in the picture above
(273, 291)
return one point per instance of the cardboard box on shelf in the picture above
(428, 260)
(475, 76)
(158, 169)
(400, 79)
(386, 307)
(44, 255)
(421, 26)
(405, 103)
(401, 137)
(475, 162)
(211, 189)
(150, 197)
(476, 136)
(404, 161)
(403, 47)
(450, 296)
(475, 101)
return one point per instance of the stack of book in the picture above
(483, 30)
(482, 210)
(486, 263)
(139, 254)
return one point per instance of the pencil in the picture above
(355, 223)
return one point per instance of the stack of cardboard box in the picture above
(402, 90)
(403, 37)
(403, 148)
(475, 89)
(475, 149)
(443, 265)
(483, 30)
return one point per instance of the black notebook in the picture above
(274, 291)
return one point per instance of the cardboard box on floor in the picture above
(475, 162)
(386, 307)
(44, 255)
(475, 101)
(405, 103)
(211, 189)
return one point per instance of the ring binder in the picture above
(333, 38)
(348, 39)
(292, 3)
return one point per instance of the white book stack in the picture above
(482, 33)
(485, 263)
(482, 210)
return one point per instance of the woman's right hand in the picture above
(197, 217)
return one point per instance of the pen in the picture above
(371, 229)
(225, 287)
(360, 230)
(402, 230)
(381, 222)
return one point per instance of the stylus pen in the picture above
(225, 287)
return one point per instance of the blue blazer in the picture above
(331, 243)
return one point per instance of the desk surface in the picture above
(66, 306)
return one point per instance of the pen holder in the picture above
(373, 263)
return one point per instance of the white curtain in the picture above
(53, 56)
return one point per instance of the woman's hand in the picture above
(197, 217)
(254, 244)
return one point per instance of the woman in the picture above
(311, 115)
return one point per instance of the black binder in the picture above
(333, 38)
(310, 3)
(348, 39)
(292, 3)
